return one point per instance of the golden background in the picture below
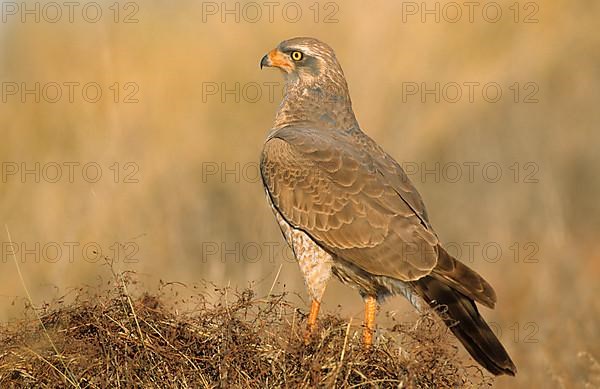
(178, 130)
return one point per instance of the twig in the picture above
(71, 377)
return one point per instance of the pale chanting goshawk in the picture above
(347, 208)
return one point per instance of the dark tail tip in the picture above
(465, 322)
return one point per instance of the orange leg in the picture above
(312, 319)
(370, 310)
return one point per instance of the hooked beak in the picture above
(276, 58)
(265, 61)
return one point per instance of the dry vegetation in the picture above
(548, 312)
(119, 339)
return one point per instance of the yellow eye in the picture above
(297, 55)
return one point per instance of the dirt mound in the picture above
(119, 337)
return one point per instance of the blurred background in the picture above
(133, 130)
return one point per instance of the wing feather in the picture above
(354, 200)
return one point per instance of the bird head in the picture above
(305, 61)
(315, 87)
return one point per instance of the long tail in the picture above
(464, 320)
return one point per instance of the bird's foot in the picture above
(312, 321)
(369, 326)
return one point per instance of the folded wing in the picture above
(351, 198)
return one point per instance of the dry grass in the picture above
(122, 338)
(548, 311)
